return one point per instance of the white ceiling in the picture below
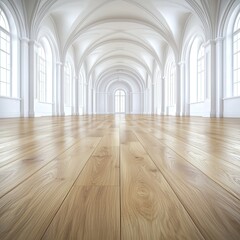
(135, 35)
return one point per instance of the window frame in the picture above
(201, 60)
(39, 76)
(45, 44)
(236, 32)
(172, 85)
(69, 85)
(9, 34)
(120, 97)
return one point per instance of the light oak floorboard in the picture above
(119, 177)
(89, 213)
(27, 211)
(191, 186)
(150, 209)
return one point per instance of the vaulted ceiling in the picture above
(130, 37)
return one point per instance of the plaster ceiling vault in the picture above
(119, 38)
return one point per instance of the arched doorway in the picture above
(120, 101)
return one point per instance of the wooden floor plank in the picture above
(102, 168)
(92, 209)
(150, 209)
(226, 150)
(119, 177)
(207, 203)
(26, 211)
(89, 213)
(222, 172)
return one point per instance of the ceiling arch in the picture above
(124, 71)
(119, 58)
(142, 24)
(137, 35)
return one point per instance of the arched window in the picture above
(5, 57)
(42, 75)
(67, 84)
(197, 71)
(171, 85)
(120, 101)
(45, 72)
(236, 57)
(200, 75)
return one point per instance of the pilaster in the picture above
(219, 77)
(163, 95)
(76, 99)
(210, 61)
(32, 75)
(182, 88)
(24, 75)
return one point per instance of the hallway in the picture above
(119, 177)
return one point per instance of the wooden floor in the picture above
(119, 177)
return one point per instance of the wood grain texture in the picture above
(88, 213)
(215, 211)
(223, 172)
(26, 211)
(191, 186)
(102, 168)
(150, 209)
(119, 177)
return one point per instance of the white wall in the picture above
(100, 103)
(136, 103)
(197, 109)
(200, 109)
(231, 107)
(171, 110)
(10, 107)
(67, 110)
(43, 109)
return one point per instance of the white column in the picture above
(62, 112)
(105, 103)
(93, 100)
(58, 88)
(24, 77)
(142, 102)
(210, 49)
(178, 89)
(182, 88)
(76, 100)
(87, 98)
(54, 90)
(187, 89)
(219, 77)
(153, 99)
(32, 83)
(97, 98)
(90, 100)
(163, 95)
(81, 95)
(145, 101)
(84, 98)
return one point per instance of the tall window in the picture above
(120, 101)
(172, 85)
(42, 75)
(200, 75)
(67, 84)
(197, 71)
(45, 72)
(5, 56)
(236, 57)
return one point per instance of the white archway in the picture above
(120, 101)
